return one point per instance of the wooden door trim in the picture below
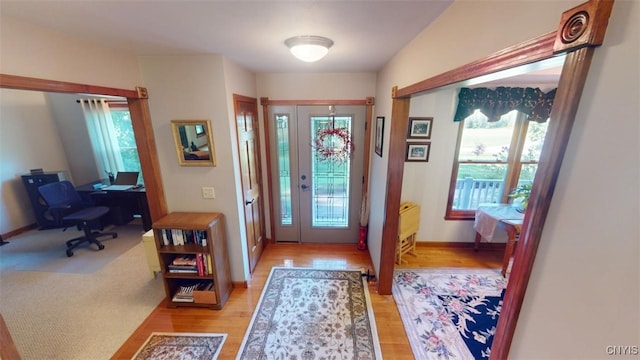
(579, 49)
(140, 118)
(265, 102)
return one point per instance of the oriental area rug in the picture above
(306, 313)
(174, 346)
(449, 313)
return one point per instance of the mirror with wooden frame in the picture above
(193, 142)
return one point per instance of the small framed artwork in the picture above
(420, 128)
(418, 151)
(379, 135)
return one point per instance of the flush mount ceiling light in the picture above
(309, 48)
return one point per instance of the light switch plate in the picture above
(208, 193)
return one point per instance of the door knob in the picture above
(304, 187)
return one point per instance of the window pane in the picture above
(126, 139)
(527, 173)
(282, 139)
(534, 141)
(477, 184)
(486, 141)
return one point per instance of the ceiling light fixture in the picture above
(309, 48)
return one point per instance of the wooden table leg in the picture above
(513, 234)
(508, 251)
(478, 239)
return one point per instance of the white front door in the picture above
(317, 199)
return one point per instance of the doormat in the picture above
(193, 346)
(449, 313)
(306, 313)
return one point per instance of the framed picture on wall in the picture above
(379, 135)
(418, 151)
(420, 128)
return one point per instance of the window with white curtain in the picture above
(111, 134)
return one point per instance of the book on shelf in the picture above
(199, 263)
(185, 292)
(189, 259)
(178, 237)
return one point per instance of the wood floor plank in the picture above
(234, 318)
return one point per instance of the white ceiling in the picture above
(366, 33)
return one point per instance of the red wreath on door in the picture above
(333, 144)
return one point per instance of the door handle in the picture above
(304, 187)
(249, 202)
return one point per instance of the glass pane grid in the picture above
(284, 171)
(330, 191)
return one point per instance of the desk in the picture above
(503, 216)
(124, 204)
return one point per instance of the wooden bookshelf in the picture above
(187, 238)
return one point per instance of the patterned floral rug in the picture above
(449, 313)
(306, 313)
(193, 346)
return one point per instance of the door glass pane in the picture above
(330, 179)
(284, 170)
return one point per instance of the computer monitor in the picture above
(127, 178)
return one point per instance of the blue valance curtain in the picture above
(494, 103)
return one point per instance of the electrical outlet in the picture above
(208, 193)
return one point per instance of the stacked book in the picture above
(184, 264)
(185, 292)
(191, 264)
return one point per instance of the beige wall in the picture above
(31, 51)
(325, 86)
(584, 290)
(192, 87)
(28, 140)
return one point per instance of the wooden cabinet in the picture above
(192, 251)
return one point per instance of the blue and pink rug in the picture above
(449, 313)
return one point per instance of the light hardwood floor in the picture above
(234, 318)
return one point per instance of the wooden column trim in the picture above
(264, 101)
(367, 147)
(563, 114)
(395, 173)
(148, 154)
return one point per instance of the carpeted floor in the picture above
(77, 315)
(45, 250)
(307, 313)
(172, 346)
(449, 313)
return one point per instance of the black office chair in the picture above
(68, 209)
